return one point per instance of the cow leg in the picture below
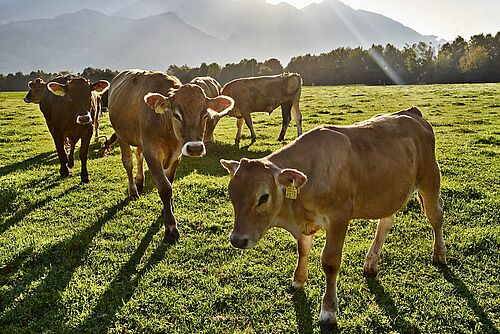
(286, 115)
(303, 248)
(239, 125)
(84, 153)
(61, 154)
(330, 261)
(71, 156)
(165, 191)
(96, 127)
(432, 204)
(383, 227)
(297, 116)
(128, 163)
(248, 120)
(170, 170)
(139, 176)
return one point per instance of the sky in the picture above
(444, 18)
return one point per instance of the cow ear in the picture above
(30, 84)
(100, 86)
(57, 88)
(159, 103)
(287, 176)
(221, 104)
(230, 165)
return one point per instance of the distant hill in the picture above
(155, 33)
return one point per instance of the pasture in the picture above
(84, 259)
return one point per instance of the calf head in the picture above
(78, 91)
(36, 89)
(189, 109)
(257, 193)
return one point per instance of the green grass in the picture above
(82, 258)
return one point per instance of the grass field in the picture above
(83, 258)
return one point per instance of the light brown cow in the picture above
(162, 118)
(212, 89)
(265, 94)
(365, 171)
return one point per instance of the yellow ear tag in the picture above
(291, 191)
(159, 110)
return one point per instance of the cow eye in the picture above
(263, 199)
(178, 116)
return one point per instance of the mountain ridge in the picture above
(191, 32)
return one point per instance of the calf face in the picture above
(189, 109)
(78, 91)
(257, 190)
(36, 89)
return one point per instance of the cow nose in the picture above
(239, 242)
(83, 119)
(194, 149)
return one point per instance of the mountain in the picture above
(16, 10)
(88, 38)
(158, 33)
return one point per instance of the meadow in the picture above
(84, 259)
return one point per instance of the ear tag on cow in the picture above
(291, 191)
(159, 110)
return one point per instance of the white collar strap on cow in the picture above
(291, 192)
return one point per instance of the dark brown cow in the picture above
(163, 119)
(68, 105)
(265, 94)
(37, 88)
(99, 102)
(365, 171)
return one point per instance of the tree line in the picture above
(459, 61)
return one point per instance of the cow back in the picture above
(128, 112)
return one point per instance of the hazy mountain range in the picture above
(61, 35)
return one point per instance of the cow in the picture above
(163, 119)
(212, 89)
(36, 88)
(99, 102)
(333, 174)
(264, 94)
(69, 107)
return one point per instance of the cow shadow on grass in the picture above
(462, 289)
(210, 163)
(47, 158)
(385, 301)
(124, 284)
(20, 214)
(55, 266)
(303, 313)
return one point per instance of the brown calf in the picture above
(333, 174)
(265, 94)
(212, 89)
(163, 119)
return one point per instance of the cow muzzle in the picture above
(194, 149)
(84, 119)
(242, 241)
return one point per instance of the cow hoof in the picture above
(64, 172)
(171, 236)
(296, 286)
(328, 322)
(439, 259)
(281, 138)
(368, 273)
(71, 164)
(133, 193)
(85, 180)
